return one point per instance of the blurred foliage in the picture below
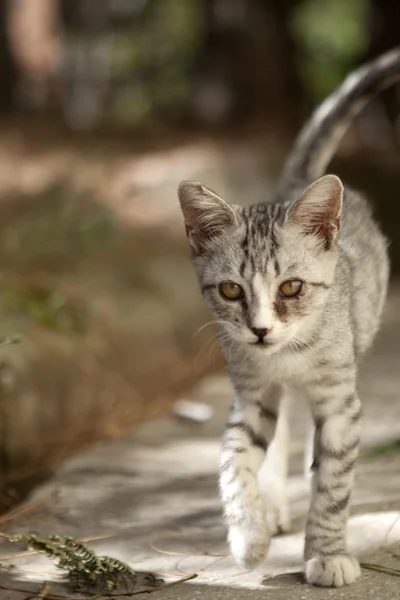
(154, 60)
(157, 55)
(383, 449)
(89, 294)
(50, 308)
(58, 226)
(331, 37)
(59, 232)
(145, 67)
(138, 63)
(12, 339)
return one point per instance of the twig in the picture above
(42, 593)
(161, 587)
(117, 596)
(21, 509)
(381, 569)
(49, 596)
(156, 548)
(385, 541)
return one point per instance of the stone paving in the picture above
(155, 494)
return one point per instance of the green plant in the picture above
(10, 339)
(86, 572)
(331, 37)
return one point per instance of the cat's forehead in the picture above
(259, 219)
(261, 235)
(262, 244)
(250, 248)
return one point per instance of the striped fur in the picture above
(317, 142)
(276, 346)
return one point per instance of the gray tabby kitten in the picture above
(298, 287)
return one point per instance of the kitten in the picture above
(298, 287)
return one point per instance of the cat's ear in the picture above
(205, 213)
(318, 209)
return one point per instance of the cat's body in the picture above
(298, 287)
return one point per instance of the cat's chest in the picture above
(285, 368)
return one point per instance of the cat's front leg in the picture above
(337, 432)
(249, 431)
(273, 474)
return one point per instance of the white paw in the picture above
(278, 517)
(249, 546)
(277, 508)
(332, 571)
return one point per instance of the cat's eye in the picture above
(231, 291)
(291, 288)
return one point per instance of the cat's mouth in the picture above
(261, 343)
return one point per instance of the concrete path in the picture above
(155, 494)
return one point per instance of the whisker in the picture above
(215, 322)
(213, 352)
(214, 337)
(214, 347)
(296, 344)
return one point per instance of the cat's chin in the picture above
(266, 347)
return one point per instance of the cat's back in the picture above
(363, 266)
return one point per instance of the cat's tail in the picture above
(319, 138)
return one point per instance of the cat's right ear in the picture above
(205, 213)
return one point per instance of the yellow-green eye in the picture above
(291, 288)
(231, 291)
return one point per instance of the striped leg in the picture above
(337, 431)
(249, 431)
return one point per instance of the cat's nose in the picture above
(260, 332)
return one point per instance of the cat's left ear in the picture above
(318, 209)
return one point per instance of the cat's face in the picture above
(265, 270)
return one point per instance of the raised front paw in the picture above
(249, 545)
(332, 571)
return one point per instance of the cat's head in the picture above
(265, 270)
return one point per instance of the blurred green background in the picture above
(105, 105)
